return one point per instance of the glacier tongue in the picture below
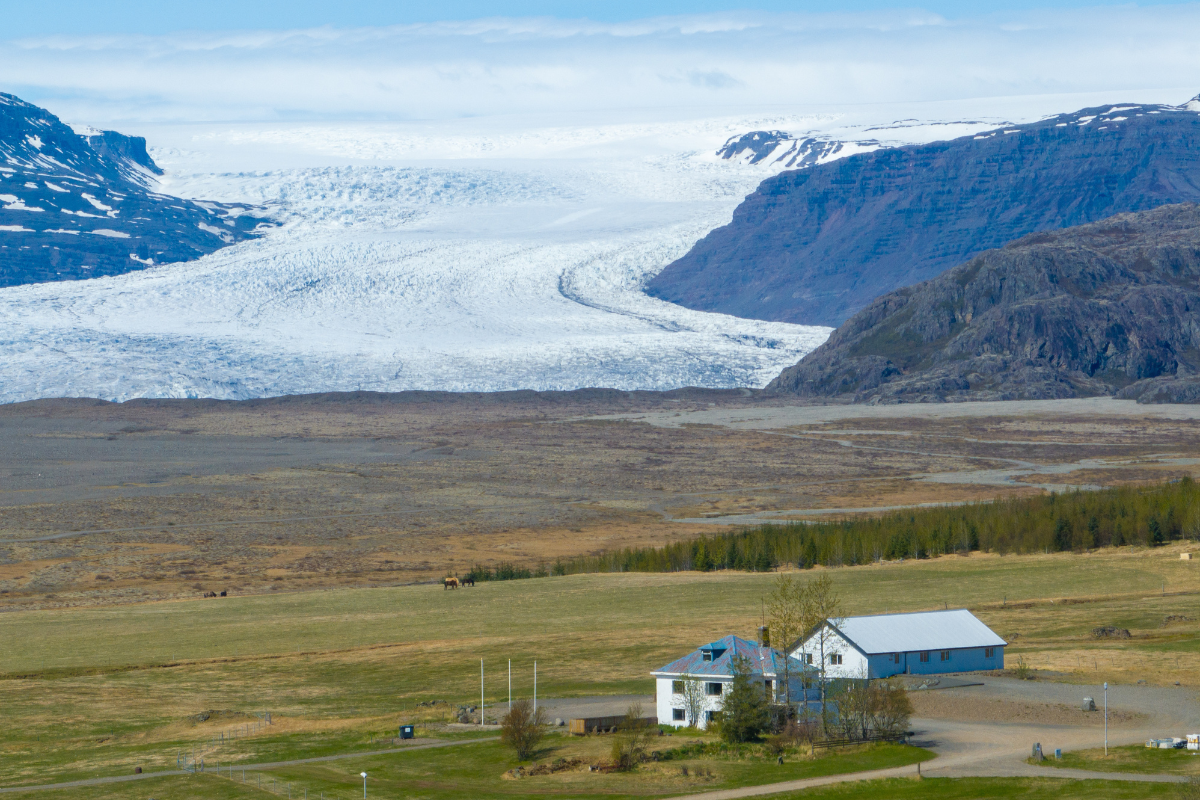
(458, 275)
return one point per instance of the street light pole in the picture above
(1106, 718)
(364, 777)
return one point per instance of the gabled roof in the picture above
(922, 630)
(763, 660)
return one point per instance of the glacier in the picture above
(465, 255)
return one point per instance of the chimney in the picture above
(764, 636)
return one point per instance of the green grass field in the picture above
(1135, 758)
(988, 789)
(94, 692)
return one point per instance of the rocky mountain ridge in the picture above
(816, 245)
(82, 206)
(1112, 307)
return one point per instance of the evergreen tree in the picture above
(744, 713)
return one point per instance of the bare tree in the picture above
(522, 729)
(785, 621)
(821, 612)
(632, 739)
(890, 707)
(855, 704)
(692, 691)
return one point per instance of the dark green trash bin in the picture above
(406, 732)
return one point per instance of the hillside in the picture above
(81, 206)
(1103, 308)
(817, 245)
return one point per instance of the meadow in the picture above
(98, 691)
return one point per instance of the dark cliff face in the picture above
(1093, 310)
(73, 207)
(816, 245)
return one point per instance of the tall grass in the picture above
(1049, 523)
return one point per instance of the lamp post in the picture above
(1106, 718)
(364, 777)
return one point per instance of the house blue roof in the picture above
(716, 660)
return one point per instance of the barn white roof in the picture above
(924, 630)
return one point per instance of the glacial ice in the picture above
(416, 256)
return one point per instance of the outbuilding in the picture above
(883, 645)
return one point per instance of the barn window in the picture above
(712, 689)
(989, 652)
(945, 655)
(895, 658)
(677, 714)
(925, 658)
(676, 687)
(835, 658)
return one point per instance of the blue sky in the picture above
(125, 63)
(21, 18)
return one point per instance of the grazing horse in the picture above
(468, 581)
(450, 583)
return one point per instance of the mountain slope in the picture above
(74, 206)
(1091, 310)
(818, 244)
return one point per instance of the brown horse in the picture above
(468, 581)
(450, 583)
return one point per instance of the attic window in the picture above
(706, 655)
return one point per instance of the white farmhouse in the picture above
(922, 643)
(710, 670)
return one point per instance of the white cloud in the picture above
(721, 62)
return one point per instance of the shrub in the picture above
(522, 729)
(632, 739)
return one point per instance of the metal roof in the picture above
(763, 660)
(923, 630)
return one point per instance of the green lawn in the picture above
(1134, 758)
(478, 771)
(987, 789)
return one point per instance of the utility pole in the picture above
(535, 688)
(481, 706)
(510, 686)
(1106, 718)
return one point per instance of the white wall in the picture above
(854, 664)
(667, 700)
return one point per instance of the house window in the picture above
(676, 687)
(945, 655)
(767, 687)
(989, 652)
(712, 689)
(835, 658)
(709, 716)
(677, 714)
(925, 658)
(808, 658)
(895, 658)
